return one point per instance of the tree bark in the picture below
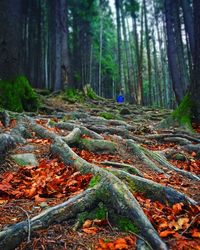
(195, 88)
(10, 38)
(172, 53)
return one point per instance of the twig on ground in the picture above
(140, 237)
(192, 221)
(29, 224)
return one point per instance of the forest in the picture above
(99, 124)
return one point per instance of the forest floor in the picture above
(135, 151)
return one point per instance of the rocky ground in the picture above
(97, 175)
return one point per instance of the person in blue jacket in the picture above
(120, 97)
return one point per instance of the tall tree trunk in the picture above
(189, 23)
(76, 53)
(55, 35)
(118, 6)
(172, 53)
(65, 63)
(179, 46)
(157, 79)
(100, 45)
(148, 52)
(162, 61)
(140, 73)
(195, 88)
(10, 38)
(133, 68)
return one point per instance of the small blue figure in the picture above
(120, 98)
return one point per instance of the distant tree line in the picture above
(147, 50)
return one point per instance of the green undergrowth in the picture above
(109, 116)
(17, 95)
(73, 95)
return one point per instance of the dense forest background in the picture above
(145, 49)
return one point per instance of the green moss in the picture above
(94, 181)
(125, 224)
(73, 95)
(107, 115)
(20, 162)
(99, 213)
(17, 95)
(182, 114)
(52, 123)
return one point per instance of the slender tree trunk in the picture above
(91, 64)
(76, 53)
(10, 38)
(189, 23)
(55, 37)
(172, 53)
(184, 78)
(133, 68)
(140, 76)
(65, 64)
(157, 79)
(100, 45)
(195, 88)
(118, 6)
(148, 52)
(162, 60)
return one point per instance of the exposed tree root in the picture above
(114, 191)
(12, 235)
(6, 142)
(115, 187)
(192, 147)
(126, 167)
(152, 189)
(163, 161)
(98, 146)
(136, 149)
(84, 130)
(9, 141)
(172, 136)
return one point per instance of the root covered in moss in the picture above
(17, 95)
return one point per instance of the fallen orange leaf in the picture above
(121, 246)
(90, 230)
(103, 244)
(176, 208)
(120, 241)
(196, 233)
(194, 154)
(39, 199)
(183, 222)
(166, 233)
(110, 246)
(87, 223)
